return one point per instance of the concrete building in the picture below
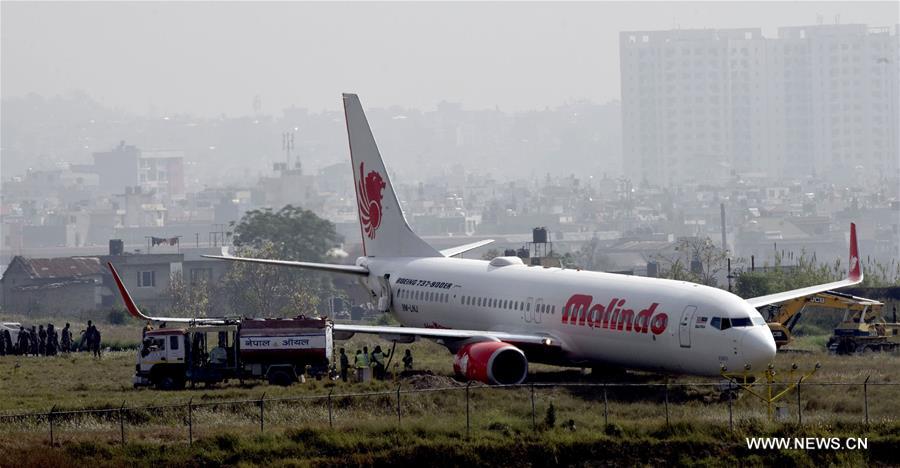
(701, 104)
(117, 168)
(162, 172)
(43, 287)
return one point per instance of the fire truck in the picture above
(277, 350)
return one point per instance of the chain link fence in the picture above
(465, 407)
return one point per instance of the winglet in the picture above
(856, 273)
(126, 298)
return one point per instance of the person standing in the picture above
(378, 357)
(407, 361)
(66, 341)
(33, 340)
(52, 340)
(86, 337)
(361, 363)
(345, 364)
(42, 341)
(95, 341)
(23, 342)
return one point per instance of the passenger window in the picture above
(173, 343)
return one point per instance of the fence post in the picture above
(866, 399)
(533, 420)
(330, 417)
(50, 420)
(190, 422)
(799, 408)
(468, 423)
(122, 423)
(667, 402)
(262, 409)
(398, 403)
(731, 405)
(605, 408)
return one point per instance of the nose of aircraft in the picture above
(758, 347)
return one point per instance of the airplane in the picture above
(498, 316)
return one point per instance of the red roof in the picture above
(62, 267)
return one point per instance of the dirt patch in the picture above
(428, 380)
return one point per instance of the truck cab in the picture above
(161, 359)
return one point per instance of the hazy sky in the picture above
(211, 58)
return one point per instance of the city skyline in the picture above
(173, 59)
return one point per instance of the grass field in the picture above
(366, 431)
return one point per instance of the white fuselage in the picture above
(599, 318)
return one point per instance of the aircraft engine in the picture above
(492, 362)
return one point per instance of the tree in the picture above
(290, 233)
(295, 233)
(269, 290)
(589, 257)
(695, 259)
(490, 254)
(808, 272)
(190, 300)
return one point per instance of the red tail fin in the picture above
(855, 268)
(126, 298)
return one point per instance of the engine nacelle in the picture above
(492, 362)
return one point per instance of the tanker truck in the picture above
(277, 350)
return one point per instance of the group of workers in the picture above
(375, 361)
(40, 341)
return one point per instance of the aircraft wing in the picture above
(330, 267)
(391, 333)
(136, 313)
(464, 248)
(855, 276)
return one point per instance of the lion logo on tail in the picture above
(368, 196)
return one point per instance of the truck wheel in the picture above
(169, 382)
(280, 378)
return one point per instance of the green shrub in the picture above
(116, 317)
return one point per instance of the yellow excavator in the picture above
(862, 328)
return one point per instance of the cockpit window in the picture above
(741, 322)
(722, 323)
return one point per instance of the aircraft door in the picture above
(384, 294)
(684, 327)
(528, 313)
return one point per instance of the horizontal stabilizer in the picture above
(465, 248)
(347, 269)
